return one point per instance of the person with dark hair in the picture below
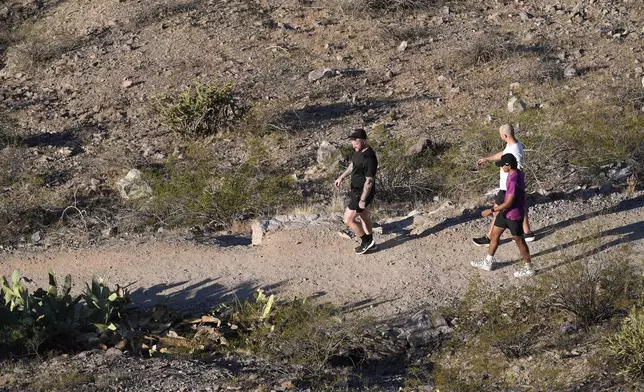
(362, 168)
(510, 216)
(514, 147)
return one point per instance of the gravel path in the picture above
(408, 271)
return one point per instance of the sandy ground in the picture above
(406, 272)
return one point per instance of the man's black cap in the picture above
(508, 159)
(358, 134)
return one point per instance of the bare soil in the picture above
(418, 266)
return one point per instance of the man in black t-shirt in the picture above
(363, 167)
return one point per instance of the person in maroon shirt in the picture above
(511, 217)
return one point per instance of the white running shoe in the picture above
(524, 272)
(483, 264)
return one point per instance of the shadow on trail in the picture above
(447, 223)
(201, 295)
(624, 205)
(627, 234)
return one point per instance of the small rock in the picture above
(421, 145)
(570, 72)
(515, 105)
(93, 184)
(110, 231)
(113, 352)
(126, 83)
(402, 46)
(132, 186)
(320, 73)
(65, 152)
(36, 237)
(259, 231)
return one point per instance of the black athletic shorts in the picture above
(355, 199)
(515, 226)
(499, 198)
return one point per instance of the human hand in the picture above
(481, 161)
(362, 204)
(487, 212)
(338, 182)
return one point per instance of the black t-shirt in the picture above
(365, 165)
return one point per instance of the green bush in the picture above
(297, 332)
(195, 191)
(592, 293)
(201, 110)
(52, 317)
(400, 176)
(627, 345)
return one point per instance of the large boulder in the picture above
(133, 187)
(328, 155)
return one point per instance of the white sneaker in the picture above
(529, 237)
(524, 272)
(483, 264)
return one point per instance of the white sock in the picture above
(489, 258)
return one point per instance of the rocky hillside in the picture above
(82, 82)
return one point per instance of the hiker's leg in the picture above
(350, 220)
(523, 248)
(495, 236)
(489, 233)
(365, 216)
(526, 223)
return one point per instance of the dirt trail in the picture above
(406, 272)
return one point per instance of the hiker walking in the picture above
(362, 168)
(514, 147)
(510, 215)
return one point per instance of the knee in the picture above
(348, 220)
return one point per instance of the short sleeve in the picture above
(512, 185)
(371, 165)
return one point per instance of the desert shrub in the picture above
(36, 44)
(402, 176)
(195, 191)
(627, 345)
(202, 109)
(594, 292)
(298, 331)
(632, 97)
(497, 327)
(485, 49)
(494, 327)
(455, 171)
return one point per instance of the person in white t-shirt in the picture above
(514, 147)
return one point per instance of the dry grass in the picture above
(35, 44)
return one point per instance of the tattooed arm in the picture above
(368, 186)
(343, 175)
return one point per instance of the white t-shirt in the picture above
(515, 149)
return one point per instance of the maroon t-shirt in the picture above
(516, 186)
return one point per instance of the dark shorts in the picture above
(355, 199)
(515, 226)
(499, 198)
